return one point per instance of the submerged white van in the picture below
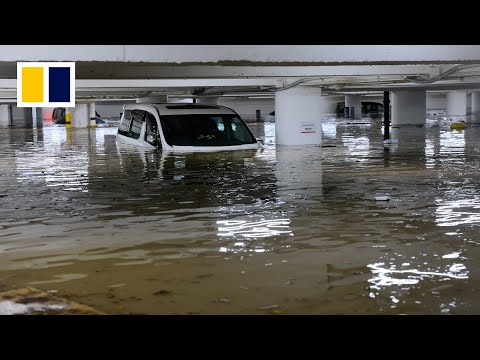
(181, 127)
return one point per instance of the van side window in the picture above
(124, 126)
(151, 130)
(131, 123)
(138, 118)
(238, 131)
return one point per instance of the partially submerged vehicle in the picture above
(369, 108)
(59, 118)
(270, 117)
(184, 128)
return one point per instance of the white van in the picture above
(181, 127)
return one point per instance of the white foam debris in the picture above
(457, 267)
(451, 256)
(13, 308)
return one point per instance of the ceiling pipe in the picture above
(439, 77)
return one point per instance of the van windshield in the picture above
(205, 130)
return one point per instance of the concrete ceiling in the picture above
(127, 71)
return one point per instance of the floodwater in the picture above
(349, 227)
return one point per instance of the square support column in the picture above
(457, 105)
(298, 116)
(409, 107)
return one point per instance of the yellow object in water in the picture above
(457, 126)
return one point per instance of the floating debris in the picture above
(162, 292)
(31, 301)
(457, 126)
(451, 256)
(276, 311)
(223, 300)
(269, 307)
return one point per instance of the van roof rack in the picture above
(190, 106)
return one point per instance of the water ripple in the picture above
(258, 229)
(383, 277)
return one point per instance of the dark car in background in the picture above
(270, 117)
(58, 116)
(369, 108)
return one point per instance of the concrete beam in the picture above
(152, 99)
(128, 70)
(124, 70)
(440, 85)
(207, 100)
(246, 54)
(85, 84)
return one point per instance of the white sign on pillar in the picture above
(308, 127)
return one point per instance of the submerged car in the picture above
(270, 117)
(184, 128)
(369, 108)
(58, 116)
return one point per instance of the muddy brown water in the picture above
(349, 227)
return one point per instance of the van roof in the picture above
(363, 102)
(183, 108)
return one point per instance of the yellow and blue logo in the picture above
(46, 84)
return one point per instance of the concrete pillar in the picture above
(39, 117)
(37, 114)
(92, 114)
(457, 105)
(5, 119)
(354, 101)
(329, 104)
(80, 118)
(476, 105)
(21, 117)
(298, 116)
(28, 117)
(409, 107)
(208, 100)
(152, 99)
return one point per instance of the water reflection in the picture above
(384, 276)
(258, 229)
(409, 140)
(452, 145)
(252, 232)
(359, 147)
(416, 282)
(458, 211)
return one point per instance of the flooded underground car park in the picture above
(240, 180)
(351, 226)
